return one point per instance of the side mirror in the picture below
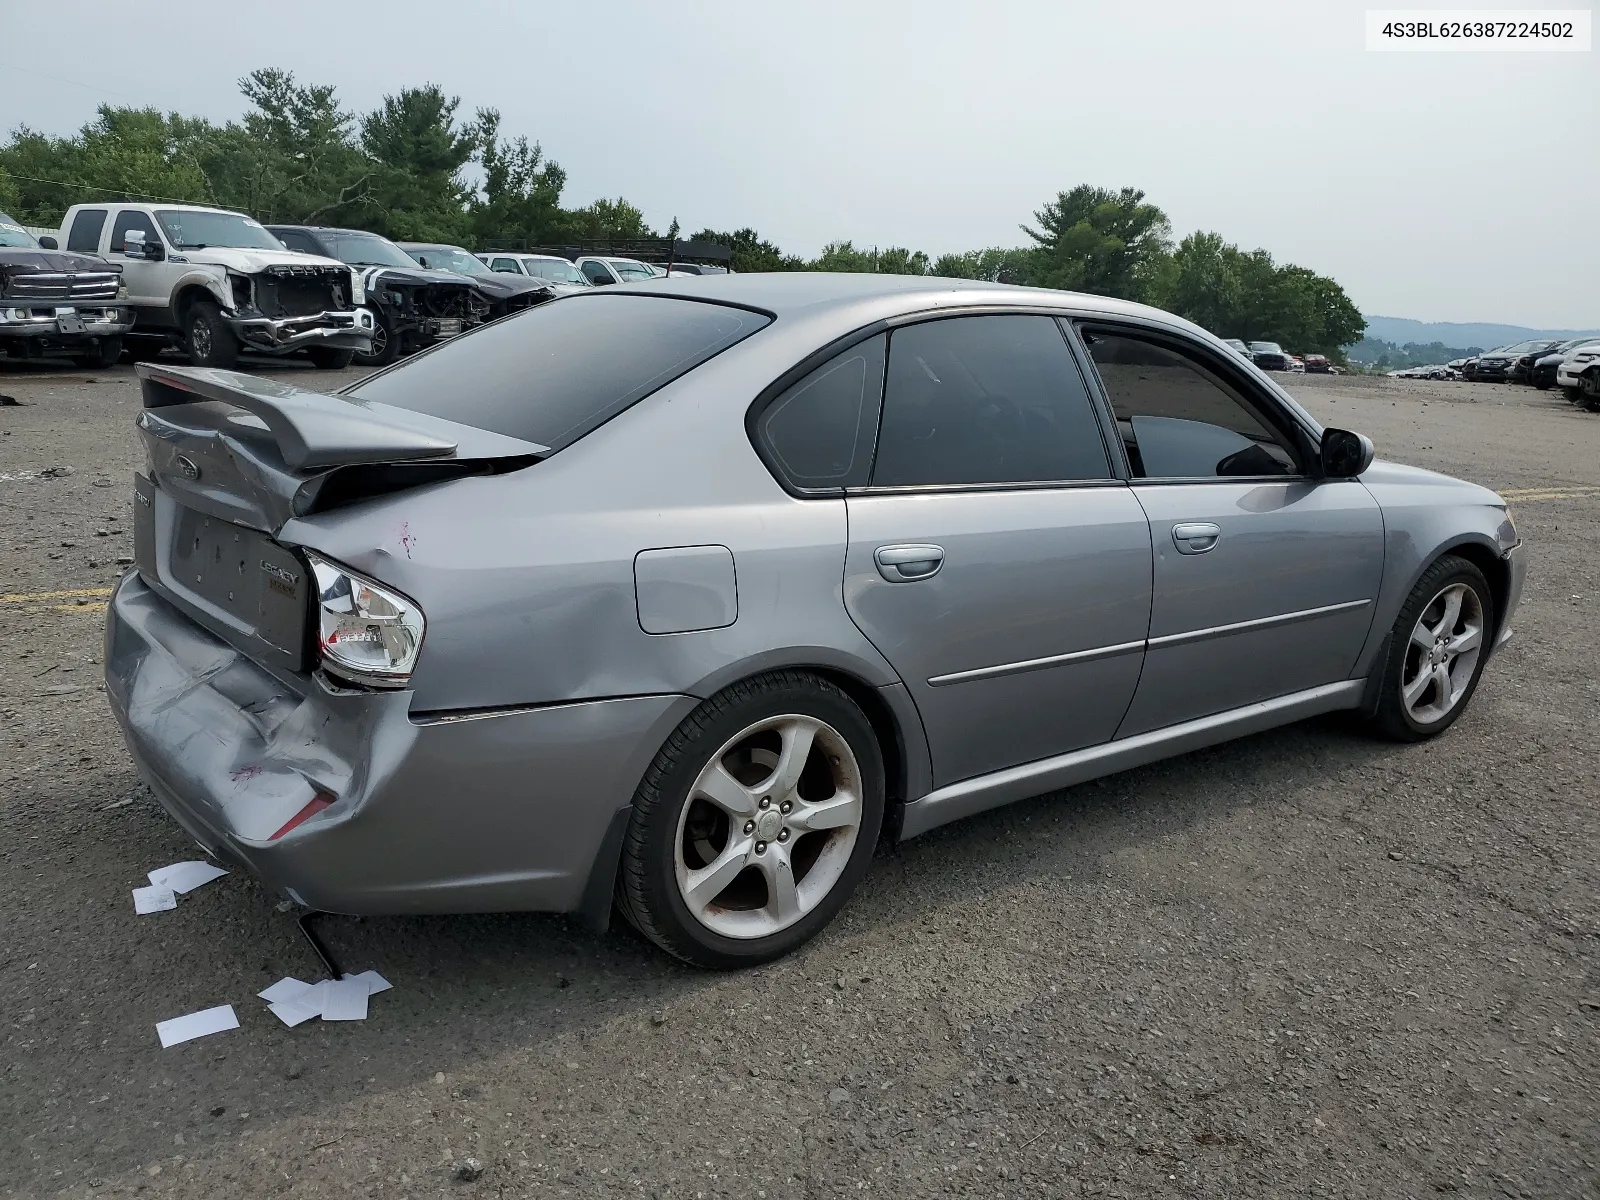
(134, 245)
(49, 243)
(1345, 455)
(422, 260)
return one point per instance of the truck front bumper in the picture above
(350, 330)
(468, 812)
(65, 326)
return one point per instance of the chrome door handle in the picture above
(1195, 537)
(905, 564)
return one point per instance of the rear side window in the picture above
(818, 433)
(553, 373)
(986, 400)
(84, 236)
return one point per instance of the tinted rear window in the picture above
(555, 372)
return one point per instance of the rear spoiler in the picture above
(318, 429)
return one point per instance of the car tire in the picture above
(1436, 652)
(739, 848)
(1572, 394)
(106, 352)
(207, 338)
(328, 358)
(385, 347)
(1542, 384)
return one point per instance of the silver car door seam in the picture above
(1289, 618)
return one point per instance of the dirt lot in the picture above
(1305, 964)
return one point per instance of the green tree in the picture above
(751, 252)
(996, 264)
(419, 153)
(1095, 240)
(1202, 284)
(610, 221)
(521, 194)
(896, 260)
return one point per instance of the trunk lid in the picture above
(230, 458)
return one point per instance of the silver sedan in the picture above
(680, 597)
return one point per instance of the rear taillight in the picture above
(366, 634)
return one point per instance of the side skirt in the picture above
(1032, 779)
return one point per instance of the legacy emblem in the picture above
(187, 467)
(289, 578)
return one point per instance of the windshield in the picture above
(557, 269)
(631, 270)
(195, 230)
(366, 250)
(1267, 347)
(449, 258)
(12, 234)
(553, 373)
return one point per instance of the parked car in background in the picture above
(1269, 356)
(1469, 368)
(1543, 372)
(507, 293)
(684, 595)
(214, 283)
(1237, 347)
(1297, 364)
(54, 302)
(1522, 368)
(602, 269)
(694, 269)
(1578, 376)
(1496, 366)
(1317, 364)
(1430, 371)
(415, 306)
(538, 266)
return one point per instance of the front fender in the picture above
(212, 280)
(1423, 521)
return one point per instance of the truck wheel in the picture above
(327, 358)
(104, 352)
(1572, 394)
(207, 338)
(385, 347)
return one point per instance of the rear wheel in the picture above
(385, 347)
(1437, 650)
(105, 352)
(207, 338)
(755, 823)
(327, 358)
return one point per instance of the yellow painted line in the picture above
(33, 597)
(1523, 495)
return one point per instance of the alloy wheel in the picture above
(1443, 654)
(769, 826)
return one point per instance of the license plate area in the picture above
(69, 323)
(251, 590)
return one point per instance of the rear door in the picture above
(1265, 575)
(994, 559)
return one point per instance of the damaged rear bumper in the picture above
(350, 330)
(514, 810)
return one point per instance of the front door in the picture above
(994, 560)
(149, 281)
(1265, 576)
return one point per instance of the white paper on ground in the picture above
(196, 1025)
(345, 1000)
(153, 899)
(287, 988)
(292, 1013)
(375, 983)
(186, 876)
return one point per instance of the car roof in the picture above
(781, 292)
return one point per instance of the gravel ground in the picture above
(1304, 964)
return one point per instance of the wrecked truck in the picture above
(216, 284)
(54, 303)
(415, 306)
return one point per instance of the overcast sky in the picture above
(1444, 187)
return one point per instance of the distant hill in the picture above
(1400, 330)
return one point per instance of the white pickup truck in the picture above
(216, 283)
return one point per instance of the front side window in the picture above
(508, 265)
(294, 239)
(84, 237)
(1179, 419)
(986, 400)
(195, 229)
(597, 272)
(819, 432)
(553, 373)
(629, 271)
(131, 220)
